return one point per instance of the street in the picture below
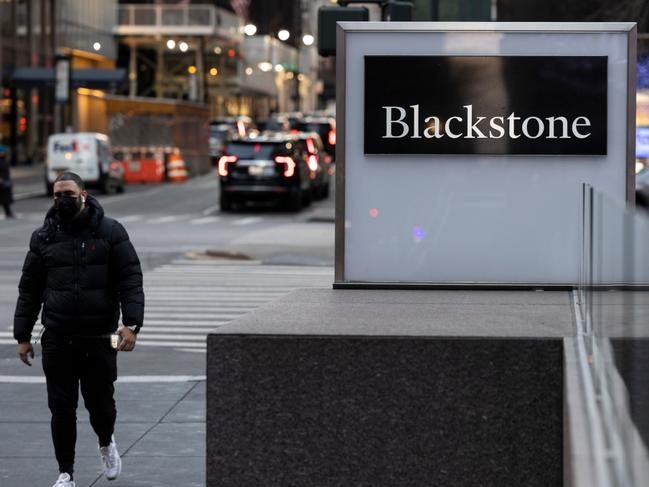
(255, 255)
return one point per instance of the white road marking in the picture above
(203, 221)
(191, 316)
(25, 379)
(130, 218)
(156, 343)
(210, 210)
(165, 219)
(247, 221)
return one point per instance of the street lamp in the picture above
(250, 29)
(183, 46)
(283, 35)
(308, 39)
(265, 66)
(96, 46)
(171, 44)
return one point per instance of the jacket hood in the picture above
(91, 216)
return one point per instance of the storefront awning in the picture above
(37, 77)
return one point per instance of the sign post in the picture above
(462, 148)
(62, 89)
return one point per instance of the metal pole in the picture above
(200, 70)
(132, 71)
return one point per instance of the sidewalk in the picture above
(28, 181)
(160, 434)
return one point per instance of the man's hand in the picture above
(127, 342)
(25, 351)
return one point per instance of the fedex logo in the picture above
(61, 147)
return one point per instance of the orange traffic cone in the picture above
(176, 170)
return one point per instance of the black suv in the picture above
(325, 127)
(266, 168)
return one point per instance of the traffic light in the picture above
(398, 11)
(327, 18)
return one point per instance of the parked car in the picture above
(319, 163)
(87, 154)
(265, 168)
(325, 127)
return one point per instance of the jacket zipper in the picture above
(83, 254)
(75, 263)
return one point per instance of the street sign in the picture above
(62, 89)
(462, 148)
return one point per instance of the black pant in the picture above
(68, 362)
(7, 208)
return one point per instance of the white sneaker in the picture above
(64, 481)
(110, 460)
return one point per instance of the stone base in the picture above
(381, 410)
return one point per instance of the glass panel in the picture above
(614, 300)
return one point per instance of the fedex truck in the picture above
(87, 154)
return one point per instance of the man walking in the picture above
(6, 193)
(82, 268)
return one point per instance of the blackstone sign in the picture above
(536, 105)
(463, 149)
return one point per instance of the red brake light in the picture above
(332, 137)
(290, 165)
(223, 164)
(310, 145)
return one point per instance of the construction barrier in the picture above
(152, 164)
(176, 168)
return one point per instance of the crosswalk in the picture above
(186, 299)
(190, 219)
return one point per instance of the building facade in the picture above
(32, 34)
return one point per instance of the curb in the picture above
(28, 195)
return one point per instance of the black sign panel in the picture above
(537, 105)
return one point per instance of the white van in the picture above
(87, 154)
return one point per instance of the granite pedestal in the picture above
(390, 388)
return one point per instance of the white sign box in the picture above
(462, 148)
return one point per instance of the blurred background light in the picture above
(250, 29)
(265, 66)
(308, 39)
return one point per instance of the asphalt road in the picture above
(160, 392)
(177, 223)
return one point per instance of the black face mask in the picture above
(68, 207)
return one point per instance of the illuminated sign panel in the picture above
(536, 105)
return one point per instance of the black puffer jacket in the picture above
(81, 273)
